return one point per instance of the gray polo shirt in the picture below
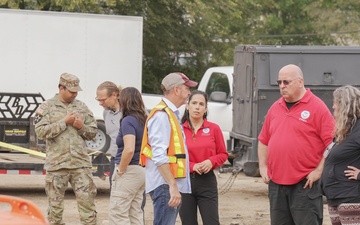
(112, 124)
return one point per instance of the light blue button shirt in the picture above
(159, 130)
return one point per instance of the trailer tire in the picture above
(251, 169)
(101, 141)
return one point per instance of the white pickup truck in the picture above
(217, 83)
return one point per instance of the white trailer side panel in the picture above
(37, 46)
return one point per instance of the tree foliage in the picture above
(337, 19)
(192, 35)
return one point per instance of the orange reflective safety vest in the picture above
(176, 150)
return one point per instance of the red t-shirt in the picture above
(296, 138)
(207, 143)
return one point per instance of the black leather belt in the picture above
(195, 174)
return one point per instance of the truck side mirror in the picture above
(219, 96)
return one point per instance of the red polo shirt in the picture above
(207, 143)
(296, 138)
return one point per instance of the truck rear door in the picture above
(243, 92)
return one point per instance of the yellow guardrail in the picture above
(22, 149)
(33, 152)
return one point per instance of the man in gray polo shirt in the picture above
(107, 94)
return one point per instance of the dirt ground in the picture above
(244, 203)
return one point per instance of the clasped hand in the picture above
(203, 167)
(74, 119)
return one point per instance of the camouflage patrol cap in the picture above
(71, 82)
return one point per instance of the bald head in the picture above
(291, 83)
(292, 70)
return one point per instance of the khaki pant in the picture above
(84, 189)
(127, 196)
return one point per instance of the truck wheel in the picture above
(251, 169)
(101, 141)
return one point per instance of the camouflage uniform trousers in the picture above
(84, 188)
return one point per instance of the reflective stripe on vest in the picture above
(176, 150)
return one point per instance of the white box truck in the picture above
(37, 46)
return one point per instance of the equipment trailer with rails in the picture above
(17, 135)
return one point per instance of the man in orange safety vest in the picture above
(163, 151)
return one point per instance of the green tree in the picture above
(84, 6)
(186, 36)
(337, 19)
(283, 22)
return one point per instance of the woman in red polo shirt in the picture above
(207, 151)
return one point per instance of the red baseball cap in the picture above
(176, 78)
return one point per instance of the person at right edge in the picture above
(340, 180)
(163, 150)
(207, 151)
(297, 129)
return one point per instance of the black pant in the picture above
(204, 195)
(294, 205)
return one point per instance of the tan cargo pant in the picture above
(84, 188)
(126, 198)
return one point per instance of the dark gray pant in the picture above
(204, 195)
(294, 205)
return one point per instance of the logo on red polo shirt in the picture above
(206, 131)
(304, 115)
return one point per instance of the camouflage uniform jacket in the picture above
(65, 145)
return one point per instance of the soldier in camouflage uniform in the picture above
(66, 123)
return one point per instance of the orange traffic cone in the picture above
(22, 212)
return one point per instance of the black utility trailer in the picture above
(255, 89)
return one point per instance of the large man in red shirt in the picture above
(297, 129)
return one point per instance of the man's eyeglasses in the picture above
(285, 82)
(101, 100)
